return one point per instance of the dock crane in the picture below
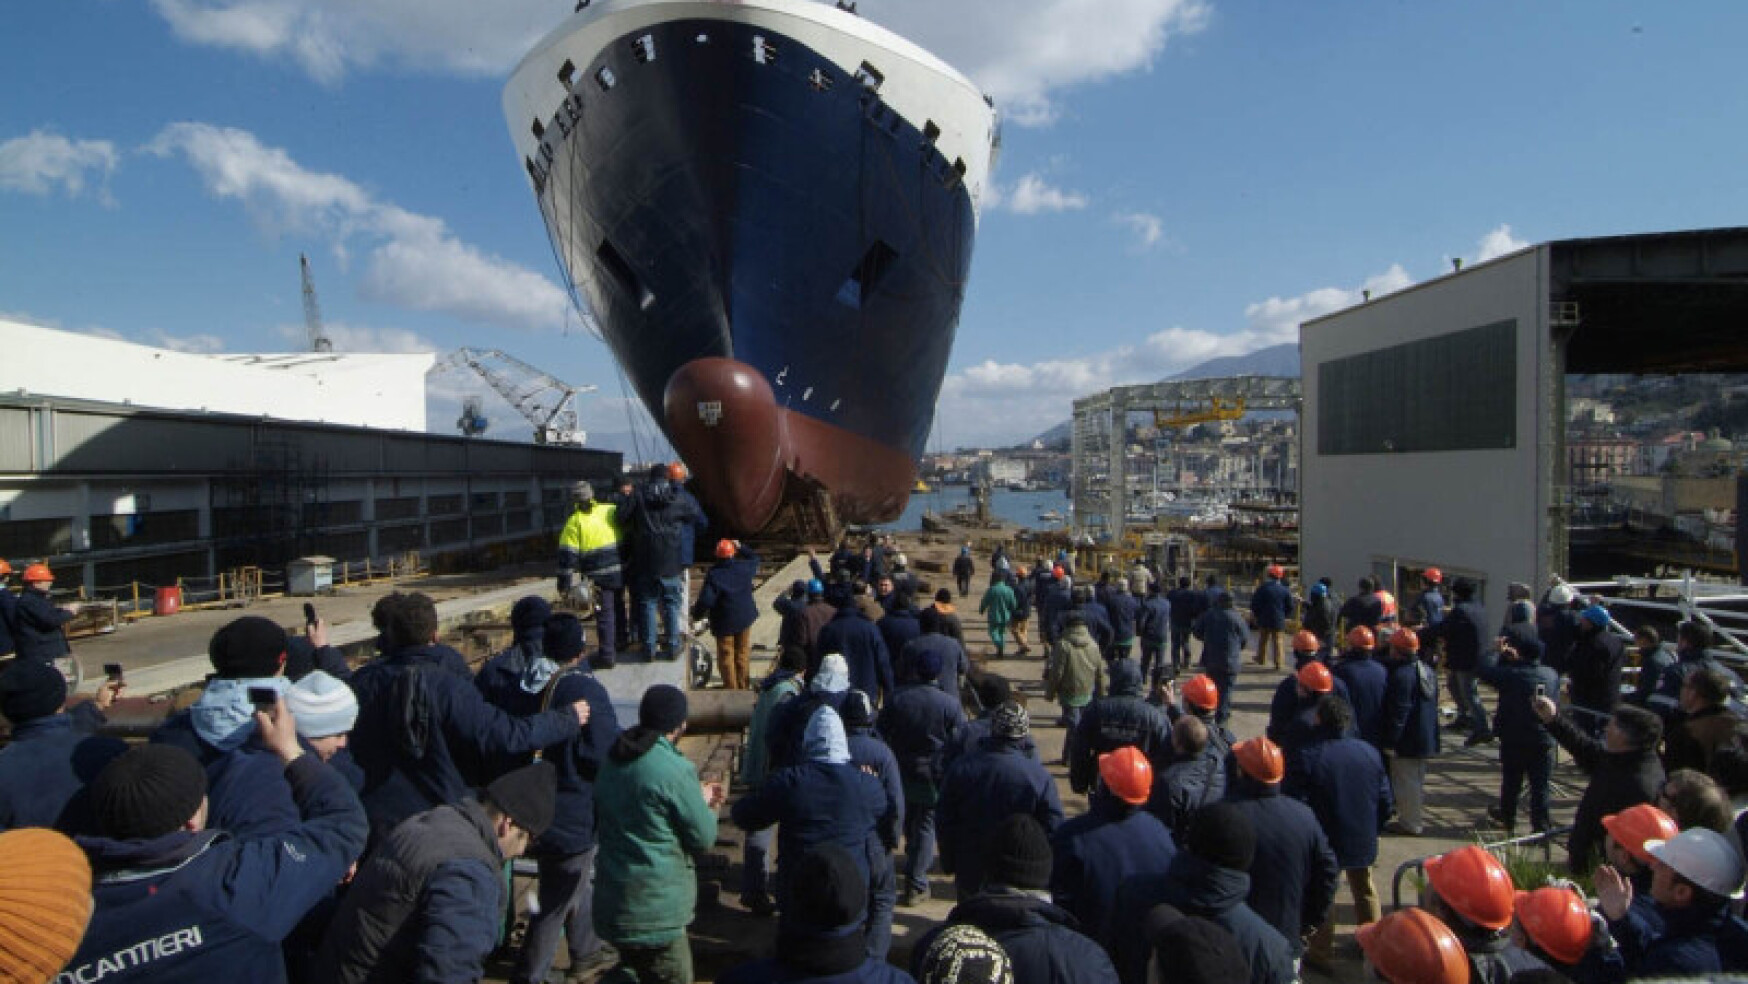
(1216, 410)
(312, 312)
(545, 401)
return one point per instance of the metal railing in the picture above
(1543, 839)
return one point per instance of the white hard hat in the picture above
(1562, 594)
(1704, 857)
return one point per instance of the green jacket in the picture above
(1076, 670)
(999, 602)
(651, 820)
(755, 758)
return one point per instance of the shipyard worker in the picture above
(1188, 781)
(1201, 700)
(1098, 622)
(653, 816)
(52, 756)
(821, 939)
(1186, 604)
(1053, 599)
(248, 791)
(1213, 590)
(419, 724)
(1343, 780)
(180, 900)
(1208, 877)
(1293, 711)
(1413, 947)
(991, 691)
(1114, 840)
(1526, 749)
(1706, 724)
(1464, 633)
(429, 903)
(8, 610)
(950, 660)
(1429, 608)
(1045, 942)
(690, 532)
(1294, 876)
(1121, 717)
(830, 687)
(851, 634)
(38, 623)
(791, 602)
(1074, 673)
(899, 625)
(1554, 924)
(1695, 799)
(1153, 627)
(1693, 642)
(1593, 666)
(589, 549)
(1123, 610)
(1558, 620)
(659, 518)
(782, 685)
(998, 605)
(1366, 682)
(872, 755)
(943, 617)
(1224, 636)
(963, 568)
(1023, 589)
(1409, 727)
(1623, 768)
(918, 723)
(1270, 605)
(998, 560)
(514, 679)
(1654, 656)
(1318, 615)
(727, 600)
(1364, 608)
(984, 787)
(1470, 891)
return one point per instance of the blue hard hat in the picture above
(814, 587)
(1597, 615)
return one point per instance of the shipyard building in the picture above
(1435, 418)
(123, 463)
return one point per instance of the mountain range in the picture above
(1275, 360)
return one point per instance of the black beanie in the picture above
(1018, 855)
(830, 891)
(147, 792)
(528, 796)
(663, 708)
(31, 689)
(1197, 950)
(858, 710)
(564, 638)
(1222, 835)
(529, 614)
(249, 648)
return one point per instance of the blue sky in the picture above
(1180, 179)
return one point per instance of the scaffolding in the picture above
(1101, 426)
(268, 512)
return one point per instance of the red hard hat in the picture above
(1473, 882)
(1635, 825)
(1558, 920)
(1276, 570)
(1057, 571)
(38, 572)
(1315, 677)
(1127, 774)
(1411, 946)
(1360, 637)
(1261, 760)
(1306, 641)
(724, 549)
(1405, 641)
(1200, 691)
(1433, 575)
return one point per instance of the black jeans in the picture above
(1517, 762)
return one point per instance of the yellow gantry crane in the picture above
(1216, 410)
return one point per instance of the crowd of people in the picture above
(314, 821)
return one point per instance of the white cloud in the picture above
(348, 337)
(412, 261)
(1021, 54)
(1149, 229)
(1497, 243)
(1032, 195)
(199, 343)
(1279, 318)
(40, 162)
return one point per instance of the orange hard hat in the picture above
(1473, 882)
(1360, 637)
(1405, 641)
(1315, 677)
(724, 549)
(1261, 760)
(1276, 570)
(38, 572)
(1635, 825)
(1127, 774)
(1433, 575)
(1306, 641)
(676, 471)
(1558, 920)
(1411, 946)
(1200, 691)
(1057, 571)
(5, 568)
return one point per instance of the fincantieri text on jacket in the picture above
(140, 954)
